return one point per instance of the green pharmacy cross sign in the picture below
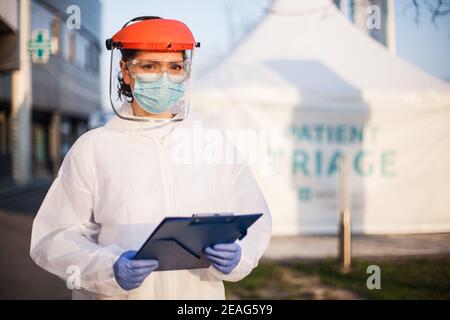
(41, 46)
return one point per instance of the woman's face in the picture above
(129, 80)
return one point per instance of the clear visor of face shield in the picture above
(151, 86)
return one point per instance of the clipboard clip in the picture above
(205, 215)
(196, 217)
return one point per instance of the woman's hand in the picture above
(224, 257)
(131, 273)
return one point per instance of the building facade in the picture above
(374, 17)
(65, 90)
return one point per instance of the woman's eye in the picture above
(177, 67)
(150, 66)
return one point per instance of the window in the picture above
(71, 46)
(81, 50)
(92, 54)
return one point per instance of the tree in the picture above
(437, 8)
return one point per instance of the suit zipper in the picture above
(170, 203)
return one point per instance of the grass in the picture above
(401, 278)
(265, 277)
(407, 278)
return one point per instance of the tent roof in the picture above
(306, 51)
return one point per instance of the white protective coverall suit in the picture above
(115, 186)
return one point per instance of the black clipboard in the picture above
(178, 242)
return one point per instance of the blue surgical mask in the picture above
(157, 96)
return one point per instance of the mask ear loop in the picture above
(110, 90)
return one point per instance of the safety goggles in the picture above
(153, 70)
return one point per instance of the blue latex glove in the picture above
(224, 257)
(131, 273)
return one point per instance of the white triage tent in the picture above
(317, 90)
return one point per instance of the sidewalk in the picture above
(23, 198)
(319, 247)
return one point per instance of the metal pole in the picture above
(345, 241)
(344, 249)
(390, 27)
(21, 102)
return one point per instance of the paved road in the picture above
(20, 278)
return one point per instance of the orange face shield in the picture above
(156, 85)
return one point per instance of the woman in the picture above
(119, 181)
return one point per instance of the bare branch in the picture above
(436, 8)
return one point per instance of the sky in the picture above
(219, 24)
(425, 43)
